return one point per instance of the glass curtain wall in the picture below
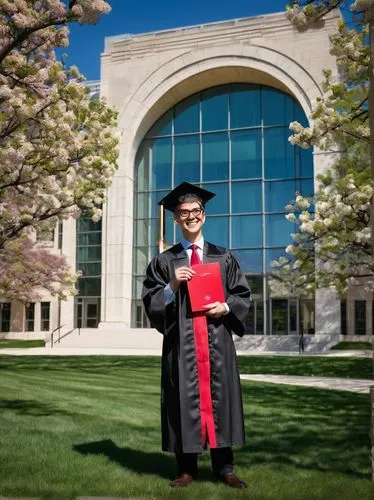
(232, 140)
(87, 302)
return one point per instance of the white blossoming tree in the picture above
(337, 234)
(57, 150)
(334, 226)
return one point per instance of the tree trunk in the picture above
(371, 127)
(372, 432)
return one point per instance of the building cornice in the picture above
(241, 30)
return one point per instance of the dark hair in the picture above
(185, 198)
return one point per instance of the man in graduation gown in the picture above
(201, 400)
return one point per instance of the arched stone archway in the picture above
(204, 68)
(157, 91)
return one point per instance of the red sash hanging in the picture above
(200, 329)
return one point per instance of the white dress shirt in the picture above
(168, 291)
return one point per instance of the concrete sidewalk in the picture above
(336, 384)
(120, 351)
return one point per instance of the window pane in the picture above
(139, 286)
(245, 106)
(300, 116)
(187, 115)
(142, 232)
(142, 166)
(141, 259)
(277, 107)
(250, 260)
(220, 203)
(89, 287)
(169, 230)
(214, 108)
(186, 159)
(274, 254)
(246, 231)
(279, 154)
(154, 198)
(278, 195)
(89, 239)
(142, 205)
(256, 284)
(155, 231)
(87, 254)
(91, 269)
(216, 230)
(162, 126)
(360, 317)
(278, 230)
(215, 157)
(161, 164)
(5, 313)
(306, 161)
(85, 224)
(246, 154)
(246, 197)
(279, 316)
(307, 187)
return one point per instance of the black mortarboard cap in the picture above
(172, 199)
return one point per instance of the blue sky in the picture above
(131, 16)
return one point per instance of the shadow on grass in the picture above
(138, 461)
(31, 407)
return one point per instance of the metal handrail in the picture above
(63, 336)
(53, 331)
(68, 333)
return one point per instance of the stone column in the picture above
(328, 319)
(17, 317)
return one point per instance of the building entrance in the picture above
(87, 312)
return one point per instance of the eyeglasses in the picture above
(184, 214)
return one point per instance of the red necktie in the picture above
(200, 328)
(195, 259)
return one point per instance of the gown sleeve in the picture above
(238, 297)
(157, 277)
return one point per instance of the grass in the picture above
(354, 346)
(308, 366)
(90, 426)
(20, 344)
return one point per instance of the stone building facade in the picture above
(156, 80)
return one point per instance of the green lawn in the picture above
(90, 426)
(20, 344)
(308, 366)
(354, 346)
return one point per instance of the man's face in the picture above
(190, 217)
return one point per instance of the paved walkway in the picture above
(119, 351)
(337, 384)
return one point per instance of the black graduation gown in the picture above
(180, 410)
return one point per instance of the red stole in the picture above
(200, 329)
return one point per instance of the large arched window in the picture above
(233, 140)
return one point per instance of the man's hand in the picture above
(215, 309)
(182, 274)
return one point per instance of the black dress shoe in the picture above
(181, 481)
(233, 481)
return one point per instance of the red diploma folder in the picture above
(205, 286)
